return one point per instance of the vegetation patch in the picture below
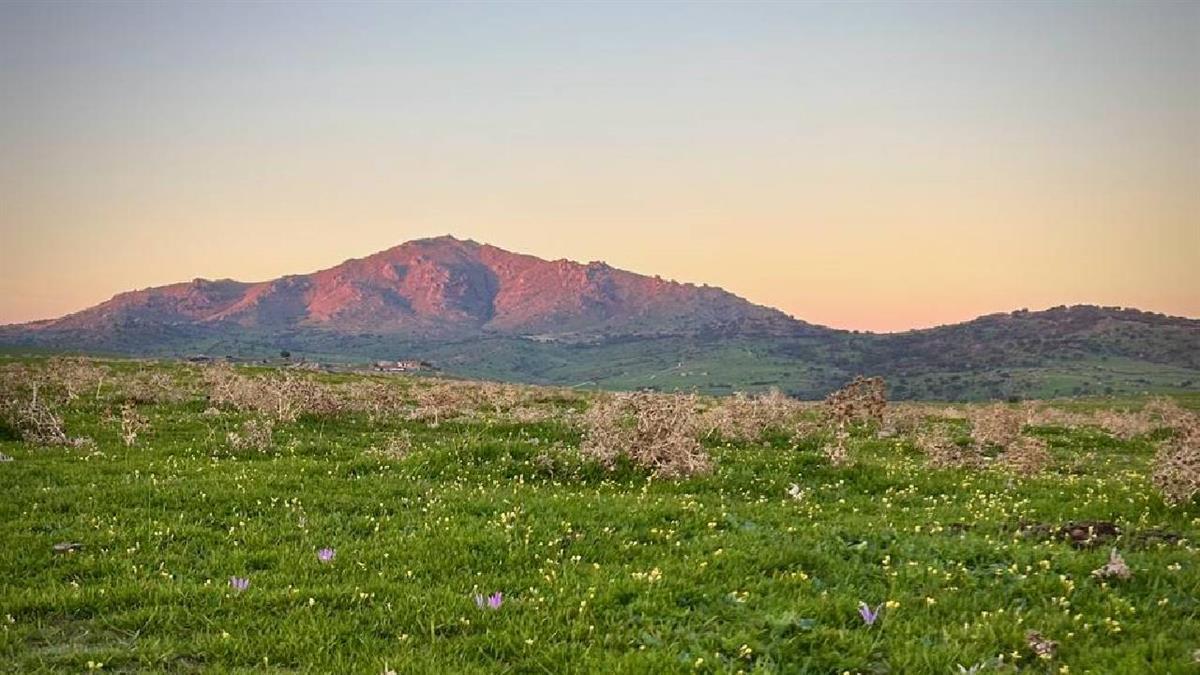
(255, 519)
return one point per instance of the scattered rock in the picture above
(1041, 646)
(67, 547)
(1090, 533)
(5, 458)
(1115, 567)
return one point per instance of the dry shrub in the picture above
(36, 419)
(499, 397)
(254, 434)
(1040, 415)
(1124, 424)
(152, 386)
(533, 415)
(1169, 414)
(442, 401)
(283, 396)
(1026, 456)
(73, 376)
(862, 400)
(951, 413)
(1158, 413)
(942, 452)
(995, 425)
(397, 447)
(377, 400)
(902, 420)
(836, 451)
(746, 417)
(132, 424)
(654, 431)
(1176, 469)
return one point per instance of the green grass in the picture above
(601, 573)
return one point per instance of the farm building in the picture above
(404, 366)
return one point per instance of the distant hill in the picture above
(441, 287)
(481, 311)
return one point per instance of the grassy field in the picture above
(601, 570)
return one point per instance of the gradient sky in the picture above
(873, 166)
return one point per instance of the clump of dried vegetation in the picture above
(254, 434)
(996, 425)
(398, 446)
(1176, 470)
(283, 395)
(862, 400)
(662, 433)
(903, 420)
(1124, 424)
(1115, 568)
(1026, 456)
(942, 451)
(836, 451)
(747, 417)
(132, 424)
(36, 419)
(657, 432)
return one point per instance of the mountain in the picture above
(480, 311)
(441, 287)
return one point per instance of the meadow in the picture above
(162, 517)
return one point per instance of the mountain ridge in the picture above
(442, 286)
(482, 311)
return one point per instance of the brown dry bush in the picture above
(862, 400)
(1158, 413)
(283, 396)
(836, 451)
(151, 386)
(1041, 415)
(1176, 468)
(72, 377)
(903, 419)
(1027, 456)
(746, 417)
(132, 424)
(378, 400)
(943, 452)
(1124, 424)
(995, 425)
(654, 431)
(397, 447)
(34, 418)
(950, 413)
(498, 397)
(1167, 413)
(441, 401)
(254, 434)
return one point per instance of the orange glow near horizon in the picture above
(864, 166)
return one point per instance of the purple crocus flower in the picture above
(492, 601)
(326, 555)
(868, 615)
(239, 584)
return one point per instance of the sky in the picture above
(875, 166)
